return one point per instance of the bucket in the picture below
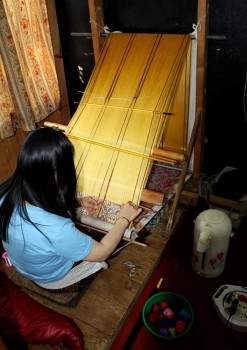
(168, 315)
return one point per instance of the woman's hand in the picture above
(89, 204)
(103, 249)
(129, 211)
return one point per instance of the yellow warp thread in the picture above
(124, 113)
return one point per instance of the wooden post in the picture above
(97, 25)
(202, 18)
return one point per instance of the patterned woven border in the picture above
(162, 179)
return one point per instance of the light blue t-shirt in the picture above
(45, 256)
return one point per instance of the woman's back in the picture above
(47, 251)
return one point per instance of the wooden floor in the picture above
(105, 306)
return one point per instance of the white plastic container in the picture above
(212, 233)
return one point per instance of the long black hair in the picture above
(45, 177)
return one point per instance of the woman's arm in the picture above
(103, 249)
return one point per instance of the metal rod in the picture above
(102, 34)
(216, 37)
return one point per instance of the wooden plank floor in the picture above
(109, 299)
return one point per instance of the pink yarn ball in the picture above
(168, 313)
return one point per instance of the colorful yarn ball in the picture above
(184, 314)
(168, 313)
(180, 326)
(156, 308)
(172, 331)
(164, 331)
(164, 304)
(168, 319)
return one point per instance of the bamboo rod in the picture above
(147, 208)
(142, 155)
(168, 154)
(158, 155)
(61, 127)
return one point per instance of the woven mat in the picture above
(65, 299)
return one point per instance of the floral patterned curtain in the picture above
(29, 89)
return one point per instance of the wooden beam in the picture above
(225, 202)
(61, 127)
(191, 198)
(202, 19)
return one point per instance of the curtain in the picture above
(29, 89)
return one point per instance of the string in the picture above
(134, 100)
(197, 27)
(127, 116)
(97, 24)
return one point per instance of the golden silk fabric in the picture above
(137, 86)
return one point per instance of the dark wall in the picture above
(226, 128)
(77, 46)
(156, 16)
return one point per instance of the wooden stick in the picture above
(142, 155)
(168, 154)
(148, 209)
(61, 127)
(156, 154)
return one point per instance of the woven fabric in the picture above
(76, 274)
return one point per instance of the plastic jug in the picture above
(212, 233)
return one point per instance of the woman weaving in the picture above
(37, 214)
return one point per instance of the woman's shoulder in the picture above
(37, 214)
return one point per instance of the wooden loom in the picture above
(133, 112)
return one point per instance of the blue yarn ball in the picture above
(184, 314)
